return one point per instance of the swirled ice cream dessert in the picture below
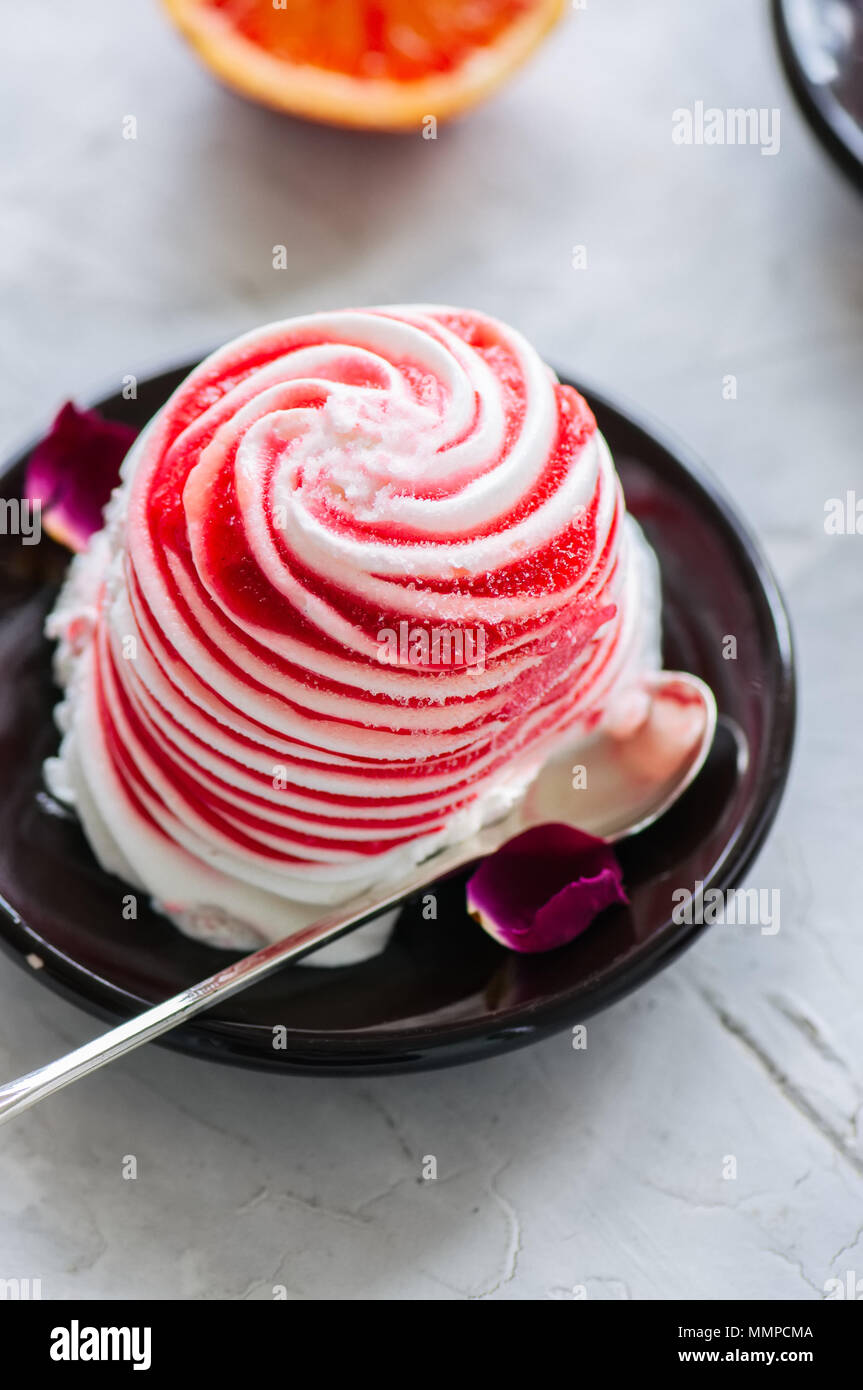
(363, 571)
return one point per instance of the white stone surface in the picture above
(556, 1169)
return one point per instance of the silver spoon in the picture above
(621, 796)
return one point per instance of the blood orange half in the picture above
(387, 65)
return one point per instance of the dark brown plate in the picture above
(442, 992)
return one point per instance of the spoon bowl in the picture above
(624, 784)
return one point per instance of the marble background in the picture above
(558, 1171)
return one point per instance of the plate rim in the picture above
(431, 1046)
(819, 107)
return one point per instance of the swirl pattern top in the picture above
(363, 568)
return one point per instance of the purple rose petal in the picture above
(544, 888)
(73, 471)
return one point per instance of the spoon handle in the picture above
(19, 1095)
